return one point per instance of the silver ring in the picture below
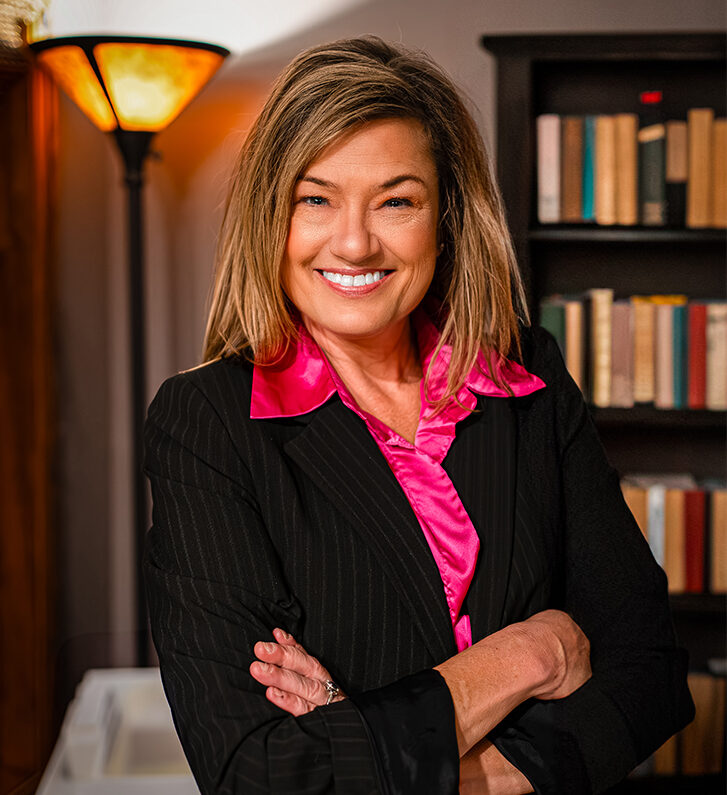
(332, 689)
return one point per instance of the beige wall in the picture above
(183, 201)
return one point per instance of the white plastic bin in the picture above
(118, 738)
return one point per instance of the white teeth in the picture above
(360, 280)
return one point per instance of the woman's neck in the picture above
(388, 359)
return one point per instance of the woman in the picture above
(388, 553)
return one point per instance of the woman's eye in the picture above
(313, 201)
(397, 203)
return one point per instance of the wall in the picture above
(184, 202)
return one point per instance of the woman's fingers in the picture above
(292, 657)
(295, 705)
(291, 682)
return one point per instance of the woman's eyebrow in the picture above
(390, 183)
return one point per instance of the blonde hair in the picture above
(326, 91)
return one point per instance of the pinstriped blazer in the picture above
(299, 523)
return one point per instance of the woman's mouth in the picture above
(354, 283)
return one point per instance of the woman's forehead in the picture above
(379, 146)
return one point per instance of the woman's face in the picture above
(362, 243)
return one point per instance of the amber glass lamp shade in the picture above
(129, 83)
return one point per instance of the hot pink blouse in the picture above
(306, 380)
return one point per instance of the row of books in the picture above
(660, 350)
(685, 523)
(606, 170)
(698, 749)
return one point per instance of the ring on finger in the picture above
(332, 690)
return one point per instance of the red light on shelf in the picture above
(650, 97)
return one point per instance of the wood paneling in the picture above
(27, 110)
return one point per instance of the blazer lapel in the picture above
(336, 450)
(482, 463)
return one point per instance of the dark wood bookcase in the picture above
(605, 73)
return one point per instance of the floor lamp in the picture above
(132, 87)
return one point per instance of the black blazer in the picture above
(299, 523)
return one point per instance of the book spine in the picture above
(602, 299)
(605, 170)
(574, 342)
(674, 541)
(643, 314)
(719, 171)
(655, 506)
(589, 157)
(718, 541)
(716, 356)
(572, 170)
(680, 356)
(627, 212)
(622, 350)
(694, 534)
(676, 172)
(699, 184)
(552, 318)
(548, 142)
(652, 175)
(696, 395)
(664, 357)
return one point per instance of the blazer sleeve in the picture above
(215, 586)
(614, 590)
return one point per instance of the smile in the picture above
(347, 280)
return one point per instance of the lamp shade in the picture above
(130, 83)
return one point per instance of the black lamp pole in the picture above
(134, 147)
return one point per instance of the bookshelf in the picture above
(604, 74)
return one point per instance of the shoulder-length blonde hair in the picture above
(324, 92)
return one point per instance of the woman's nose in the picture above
(353, 240)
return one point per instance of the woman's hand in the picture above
(564, 651)
(296, 681)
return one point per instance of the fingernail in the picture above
(263, 667)
(268, 647)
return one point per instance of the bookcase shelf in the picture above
(625, 234)
(592, 74)
(659, 418)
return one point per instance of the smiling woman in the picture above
(388, 553)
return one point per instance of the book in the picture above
(664, 360)
(718, 541)
(622, 355)
(571, 179)
(552, 318)
(716, 356)
(699, 183)
(574, 353)
(702, 741)
(652, 175)
(635, 497)
(643, 323)
(679, 348)
(655, 499)
(548, 167)
(719, 174)
(675, 540)
(694, 514)
(627, 209)
(664, 356)
(697, 355)
(676, 172)
(605, 172)
(589, 157)
(601, 301)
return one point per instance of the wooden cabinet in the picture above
(604, 74)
